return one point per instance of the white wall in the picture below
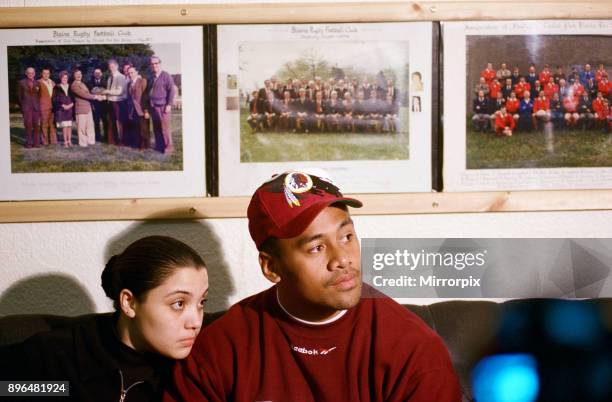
(55, 267)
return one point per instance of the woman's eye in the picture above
(203, 302)
(178, 305)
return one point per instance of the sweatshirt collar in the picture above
(313, 323)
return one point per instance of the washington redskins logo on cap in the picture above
(297, 184)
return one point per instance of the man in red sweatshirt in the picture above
(317, 334)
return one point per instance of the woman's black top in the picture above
(91, 357)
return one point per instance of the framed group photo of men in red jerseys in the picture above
(102, 112)
(534, 109)
(336, 96)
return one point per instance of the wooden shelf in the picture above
(254, 13)
(235, 207)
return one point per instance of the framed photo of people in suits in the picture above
(108, 112)
(331, 96)
(534, 109)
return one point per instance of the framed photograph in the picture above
(110, 112)
(534, 109)
(353, 99)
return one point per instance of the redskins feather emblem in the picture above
(296, 183)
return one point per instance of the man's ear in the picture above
(127, 303)
(269, 267)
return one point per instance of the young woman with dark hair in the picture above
(158, 286)
(63, 106)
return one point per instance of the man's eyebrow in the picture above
(306, 240)
(347, 221)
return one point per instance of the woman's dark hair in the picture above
(145, 264)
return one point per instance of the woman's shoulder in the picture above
(87, 326)
(34, 356)
(63, 338)
(55, 351)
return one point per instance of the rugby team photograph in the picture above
(95, 108)
(544, 104)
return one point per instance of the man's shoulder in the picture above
(139, 83)
(235, 329)
(408, 336)
(24, 82)
(243, 313)
(385, 310)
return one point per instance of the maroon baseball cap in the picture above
(284, 206)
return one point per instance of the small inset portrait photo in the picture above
(231, 103)
(416, 104)
(232, 81)
(416, 82)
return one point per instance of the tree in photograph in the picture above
(309, 66)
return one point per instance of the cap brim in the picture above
(351, 202)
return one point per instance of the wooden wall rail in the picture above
(301, 12)
(235, 207)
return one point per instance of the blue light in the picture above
(506, 378)
(573, 323)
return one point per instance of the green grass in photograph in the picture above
(100, 157)
(539, 149)
(285, 146)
